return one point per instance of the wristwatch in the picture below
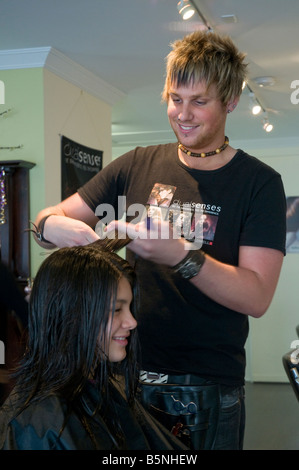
(191, 264)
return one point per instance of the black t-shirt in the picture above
(243, 203)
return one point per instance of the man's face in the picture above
(197, 116)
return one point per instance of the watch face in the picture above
(192, 265)
(190, 269)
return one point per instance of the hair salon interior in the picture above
(93, 71)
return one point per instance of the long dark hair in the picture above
(69, 310)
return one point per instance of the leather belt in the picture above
(183, 379)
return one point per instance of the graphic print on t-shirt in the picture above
(209, 223)
(191, 221)
(161, 195)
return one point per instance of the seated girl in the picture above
(76, 384)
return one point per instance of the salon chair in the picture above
(290, 362)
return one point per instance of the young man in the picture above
(195, 303)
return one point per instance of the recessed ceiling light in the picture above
(229, 18)
(264, 81)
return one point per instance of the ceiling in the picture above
(124, 42)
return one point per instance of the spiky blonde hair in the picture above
(209, 57)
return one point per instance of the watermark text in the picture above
(2, 92)
(295, 93)
(295, 354)
(2, 353)
(151, 222)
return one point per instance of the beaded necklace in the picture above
(204, 154)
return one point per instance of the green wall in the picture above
(24, 125)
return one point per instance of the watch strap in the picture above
(191, 264)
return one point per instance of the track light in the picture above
(267, 126)
(186, 10)
(254, 105)
(256, 108)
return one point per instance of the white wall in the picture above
(271, 336)
(78, 115)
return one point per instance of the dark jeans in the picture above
(231, 425)
(214, 421)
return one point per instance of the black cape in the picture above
(37, 427)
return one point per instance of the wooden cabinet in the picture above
(15, 246)
(15, 255)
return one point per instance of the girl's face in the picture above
(122, 323)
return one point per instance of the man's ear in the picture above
(232, 104)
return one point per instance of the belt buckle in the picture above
(153, 377)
